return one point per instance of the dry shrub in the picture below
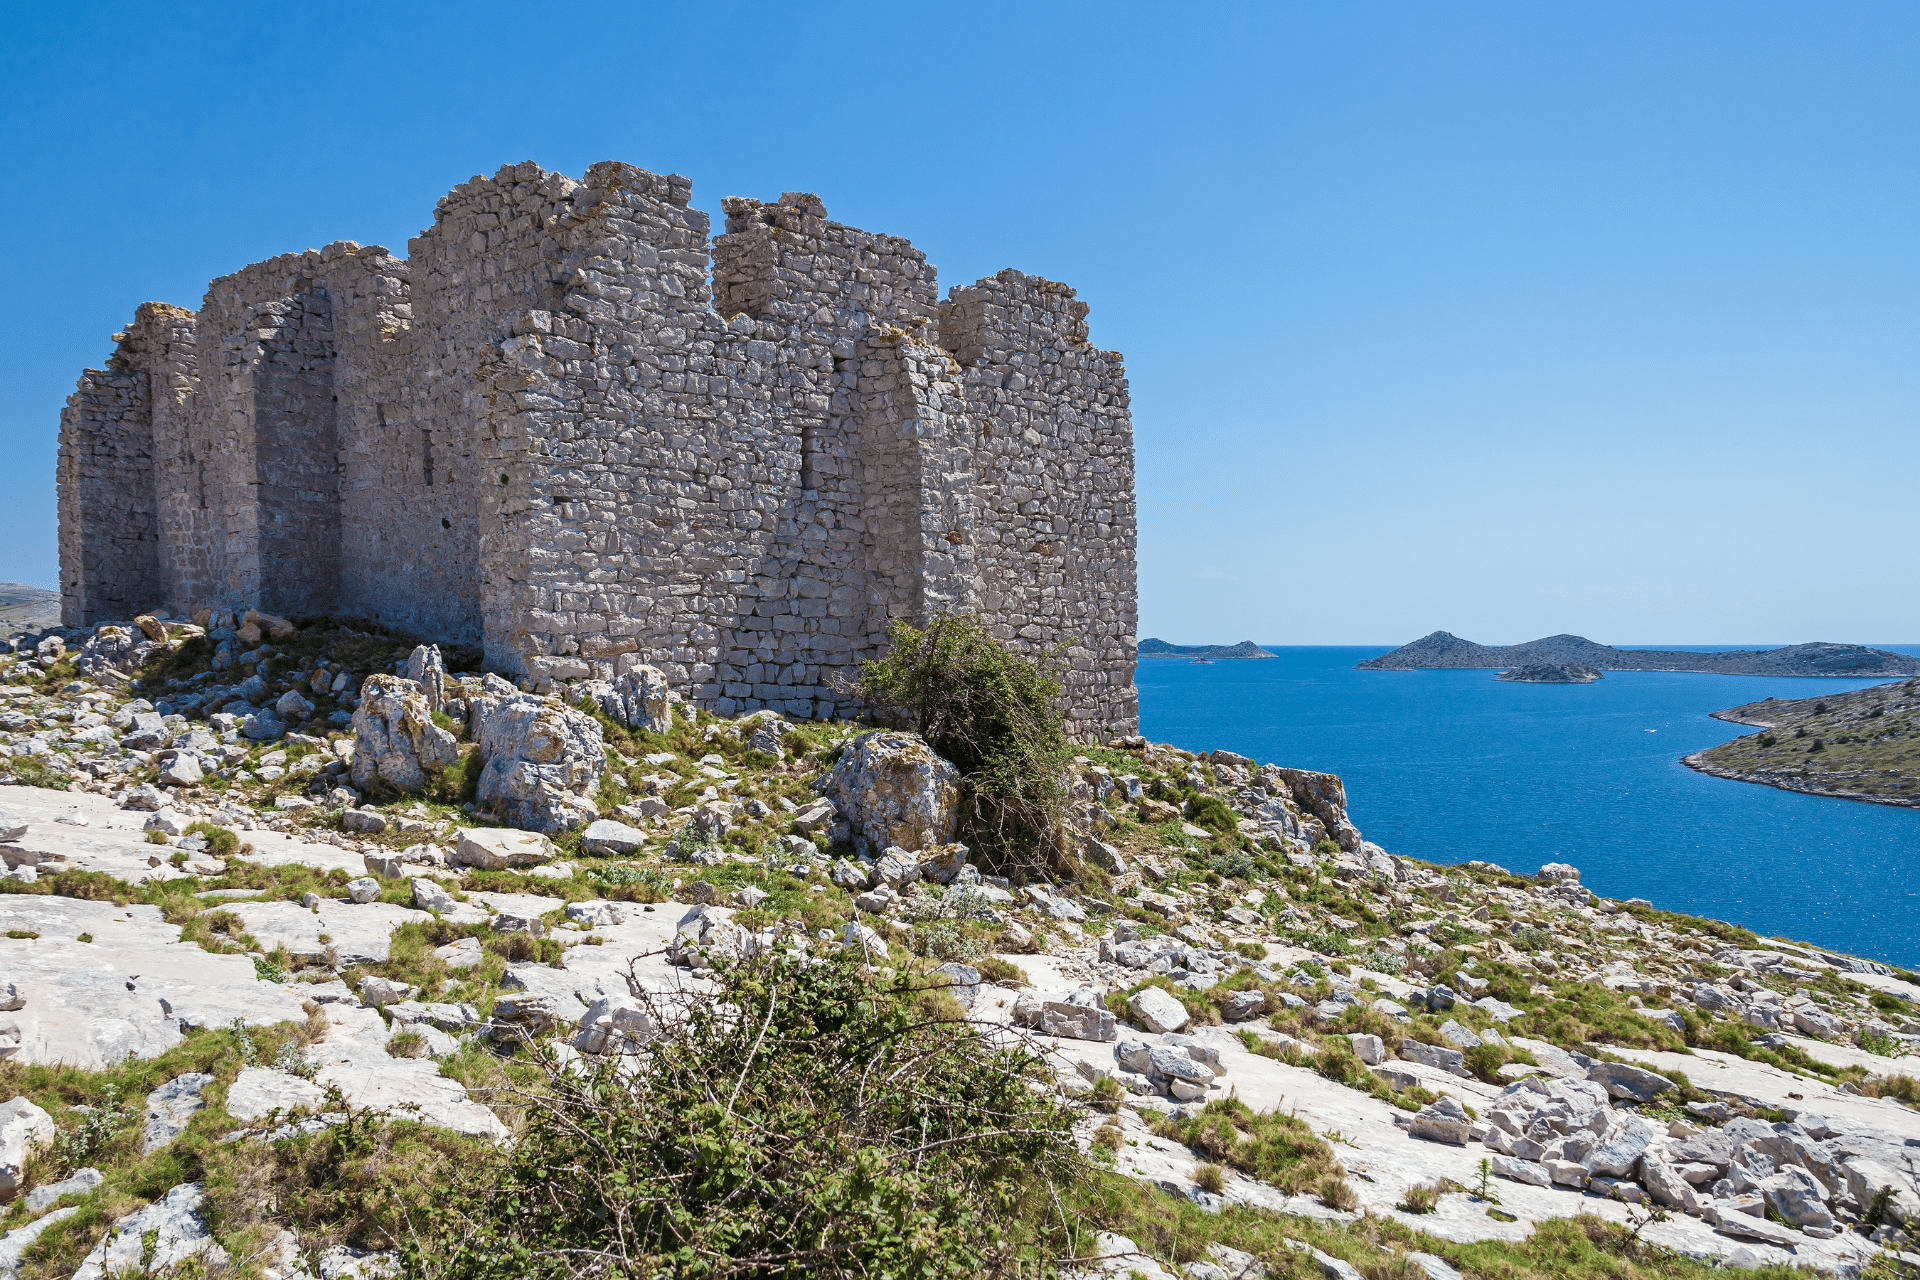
(1422, 1197)
(800, 1121)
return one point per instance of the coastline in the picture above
(1699, 765)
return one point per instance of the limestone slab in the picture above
(352, 932)
(132, 990)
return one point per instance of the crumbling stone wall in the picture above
(551, 432)
(109, 528)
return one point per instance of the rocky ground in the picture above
(1856, 746)
(264, 883)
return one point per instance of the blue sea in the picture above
(1453, 765)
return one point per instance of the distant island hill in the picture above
(1443, 650)
(1161, 649)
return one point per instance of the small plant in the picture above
(97, 1128)
(85, 937)
(1235, 865)
(27, 934)
(221, 842)
(1210, 1177)
(407, 1044)
(267, 971)
(1483, 1188)
(1422, 1197)
(994, 969)
(1337, 1193)
(1106, 1094)
(156, 837)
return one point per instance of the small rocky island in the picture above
(1161, 649)
(1552, 673)
(1863, 745)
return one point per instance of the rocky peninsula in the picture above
(1863, 745)
(1442, 650)
(280, 900)
(1552, 673)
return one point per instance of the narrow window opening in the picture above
(426, 457)
(809, 455)
(203, 486)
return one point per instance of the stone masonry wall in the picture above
(109, 530)
(409, 530)
(259, 454)
(551, 432)
(1055, 486)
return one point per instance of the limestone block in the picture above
(43, 1196)
(1623, 1080)
(426, 669)
(894, 791)
(170, 1107)
(1157, 1011)
(23, 1127)
(611, 838)
(1442, 1120)
(501, 849)
(1527, 1171)
(943, 863)
(156, 1238)
(542, 758)
(1450, 1060)
(258, 1092)
(637, 700)
(396, 744)
(615, 1023)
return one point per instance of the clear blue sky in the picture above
(1507, 319)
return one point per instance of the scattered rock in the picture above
(894, 791)
(257, 1093)
(177, 1233)
(23, 1127)
(78, 1183)
(608, 838)
(396, 744)
(1442, 1120)
(170, 1108)
(501, 849)
(1158, 1011)
(1624, 1080)
(543, 760)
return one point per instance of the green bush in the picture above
(991, 712)
(801, 1122)
(221, 842)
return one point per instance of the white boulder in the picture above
(501, 849)
(894, 791)
(396, 744)
(1157, 1011)
(636, 700)
(23, 1126)
(543, 760)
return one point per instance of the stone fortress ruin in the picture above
(554, 432)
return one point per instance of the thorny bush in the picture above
(992, 712)
(804, 1121)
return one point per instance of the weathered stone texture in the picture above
(550, 432)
